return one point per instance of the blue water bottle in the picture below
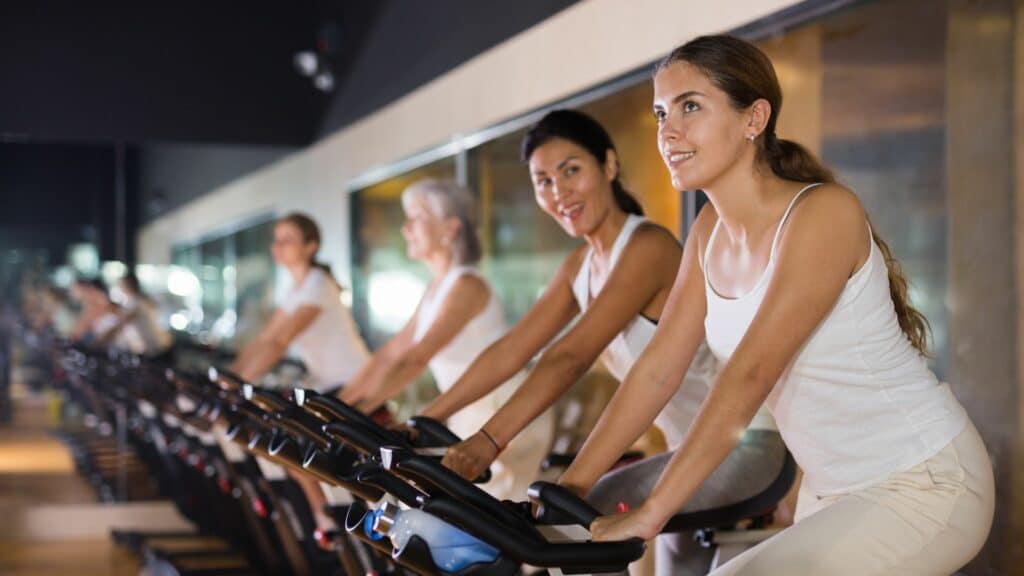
(450, 548)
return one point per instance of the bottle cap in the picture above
(385, 517)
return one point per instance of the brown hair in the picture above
(310, 233)
(746, 75)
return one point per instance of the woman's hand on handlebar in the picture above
(471, 457)
(639, 523)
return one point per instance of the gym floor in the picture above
(50, 520)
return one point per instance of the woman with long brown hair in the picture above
(807, 309)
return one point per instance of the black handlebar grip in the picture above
(559, 502)
(355, 436)
(432, 432)
(269, 401)
(302, 425)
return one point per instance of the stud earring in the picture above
(750, 138)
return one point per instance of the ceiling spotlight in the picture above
(324, 81)
(306, 63)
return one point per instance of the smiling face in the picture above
(572, 186)
(701, 135)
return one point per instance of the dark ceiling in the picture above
(221, 72)
(199, 93)
(214, 71)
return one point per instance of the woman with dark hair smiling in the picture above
(616, 286)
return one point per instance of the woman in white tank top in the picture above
(615, 286)
(802, 303)
(458, 317)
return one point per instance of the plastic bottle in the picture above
(450, 548)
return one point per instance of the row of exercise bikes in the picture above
(222, 451)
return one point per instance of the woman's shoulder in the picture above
(654, 236)
(470, 280)
(316, 288)
(650, 245)
(830, 204)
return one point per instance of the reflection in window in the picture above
(223, 287)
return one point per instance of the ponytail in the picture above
(624, 200)
(791, 161)
(912, 322)
(746, 75)
(326, 269)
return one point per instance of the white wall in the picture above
(584, 45)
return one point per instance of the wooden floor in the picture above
(37, 480)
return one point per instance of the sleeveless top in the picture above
(857, 402)
(628, 344)
(330, 347)
(480, 332)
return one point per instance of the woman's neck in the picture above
(746, 201)
(299, 272)
(602, 238)
(439, 264)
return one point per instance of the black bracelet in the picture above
(491, 439)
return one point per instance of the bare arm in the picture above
(645, 268)
(501, 360)
(820, 248)
(467, 299)
(124, 318)
(82, 324)
(655, 376)
(372, 371)
(272, 343)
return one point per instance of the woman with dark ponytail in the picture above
(807, 310)
(615, 286)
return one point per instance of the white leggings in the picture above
(931, 519)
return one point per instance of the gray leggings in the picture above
(748, 470)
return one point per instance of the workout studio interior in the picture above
(512, 287)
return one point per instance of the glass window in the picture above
(254, 280)
(224, 285)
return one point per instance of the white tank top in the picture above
(628, 344)
(448, 364)
(858, 402)
(479, 333)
